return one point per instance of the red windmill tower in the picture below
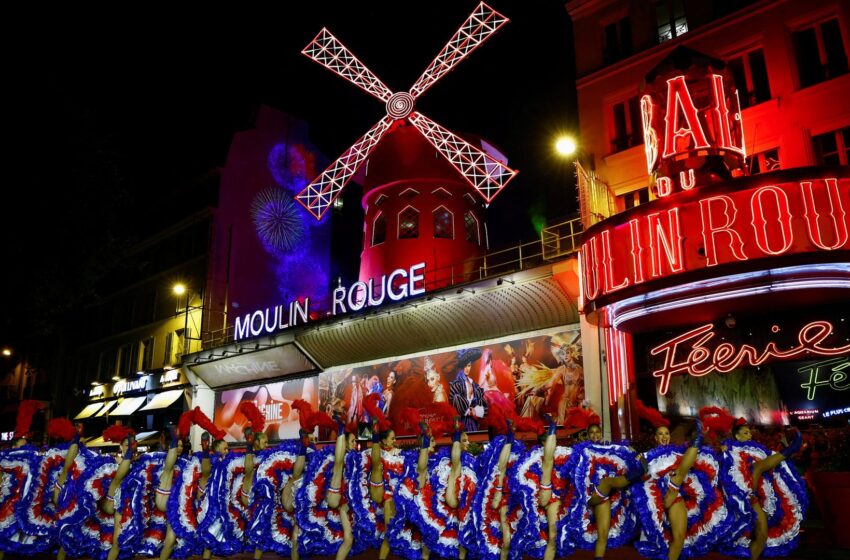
(418, 208)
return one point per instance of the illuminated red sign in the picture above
(715, 226)
(691, 352)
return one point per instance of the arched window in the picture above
(379, 229)
(470, 223)
(444, 227)
(408, 223)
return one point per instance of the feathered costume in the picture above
(533, 529)
(708, 516)
(589, 464)
(17, 468)
(271, 525)
(781, 493)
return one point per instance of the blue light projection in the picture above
(299, 244)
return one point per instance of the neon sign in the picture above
(126, 386)
(723, 226)
(397, 285)
(700, 360)
(829, 373)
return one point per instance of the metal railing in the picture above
(556, 241)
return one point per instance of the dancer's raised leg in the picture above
(163, 491)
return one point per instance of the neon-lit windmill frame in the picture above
(487, 175)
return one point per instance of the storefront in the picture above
(728, 289)
(146, 403)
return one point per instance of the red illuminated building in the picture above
(715, 197)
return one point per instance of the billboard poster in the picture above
(273, 399)
(527, 375)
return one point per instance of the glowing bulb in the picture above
(179, 289)
(7, 352)
(565, 146)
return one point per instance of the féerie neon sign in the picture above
(689, 353)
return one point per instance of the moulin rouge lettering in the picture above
(690, 354)
(765, 221)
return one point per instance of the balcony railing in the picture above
(556, 242)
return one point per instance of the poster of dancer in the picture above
(528, 375)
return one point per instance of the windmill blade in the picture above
(483, 171)
(318, 196)
(481, 23)
(330, 53)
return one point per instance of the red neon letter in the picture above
(670, 238)
(710, 229)
(608, 266)
(590, 254)
(637, 252)
(687, 181)
(650, 139)
(678, 97)
(836, 213)
(721, 114)
(783, 211)
(663, 186)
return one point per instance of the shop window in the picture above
(618, 40)
(379, 229)
(750, 74)
(408, 223)
(820, 52)
(635, 198)
(145, 355)
(763, 162)
(470, 224)
(443, 224)
(670, 20)
(627, 125)
(833, 148)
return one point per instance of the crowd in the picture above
(524, 494)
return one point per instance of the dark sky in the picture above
(106, 108)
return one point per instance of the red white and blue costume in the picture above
(709, 518)
(270, 524)
(781, 493)
(17, 468)
(533, 528)
(370, 528)
(589, 464)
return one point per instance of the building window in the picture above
(750, 74)
(618, 40)
(635, 198)
(470, 224)
(409, 193)
(833, 148)
(470, 199)
(145, 354)
(443, 224)
(380, 200)
(628, 126)
(670, 20)
(820, 52)
(379, 229)
(408, 223)
(763, 162)
(440, 192)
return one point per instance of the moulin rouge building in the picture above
(715, 195)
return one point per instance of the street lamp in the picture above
(181, 289)
(565, 146)
(7, 352)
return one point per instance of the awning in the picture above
(128, 406)
(99, 441)
(163, 400)
(89, 410)
(106, 408)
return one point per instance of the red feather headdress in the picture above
(255, 417)
(117, 433)
(581, 418)
(61, 429)
(651, 415)
(370, 403)
(533, 425)
(717, 421)
(202, 420)
(26, 410)
(305, 410)
(321, 419)
(185, 423)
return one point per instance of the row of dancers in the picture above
(510, 500)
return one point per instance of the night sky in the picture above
(110, 111)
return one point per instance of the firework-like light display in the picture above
(277, 219)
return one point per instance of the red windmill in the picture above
(404, 181)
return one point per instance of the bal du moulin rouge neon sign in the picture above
(734, 221)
